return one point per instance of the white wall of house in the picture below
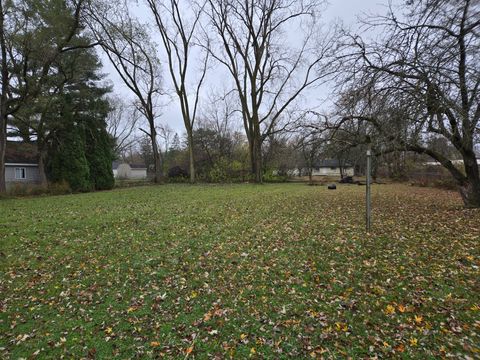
(139, 173)
(327, 171)
(125, 171)
(454, 162)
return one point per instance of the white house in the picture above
(328, 167)
(454, 162)
(331, 167)
(127, 171)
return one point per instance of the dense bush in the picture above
(177, 173)
(20, 189)
(271, 176)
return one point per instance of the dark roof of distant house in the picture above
(329, 163)
(116, 164)
(18, 152)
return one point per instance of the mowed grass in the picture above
(272, 271)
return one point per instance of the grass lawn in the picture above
(272, 271)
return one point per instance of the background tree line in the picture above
(414, 88)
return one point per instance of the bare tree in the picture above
(311, 144)
(121, 124)
(425, 71)
(177, 32)
(133, 55)
(269, 73)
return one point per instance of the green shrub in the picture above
(271, 177)
(59, 188)
(219, 172)
(20, 189)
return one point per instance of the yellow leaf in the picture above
(130, 309)
(390, 310)
(108, 330)
(402, 308)
(189, 350)
(154, 344)
(243, 336)
(418, 319)
(475, 307)
(413, 342)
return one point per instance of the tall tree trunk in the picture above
(158, 176)
(257, 160)
(3, 101)
(191, 160)
(3, 145)
(251, 150)
(157, 164)
(470, 187)
(42, 155)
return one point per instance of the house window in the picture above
(20, 173)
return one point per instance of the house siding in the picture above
(32, 175)
(139, 173)
(325, 171)
(124, 171)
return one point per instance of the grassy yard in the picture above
(272, 271)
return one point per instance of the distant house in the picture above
(21, 167)
(331, 167)
(125, 171)
(454, 162)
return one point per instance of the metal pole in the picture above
(369, 190)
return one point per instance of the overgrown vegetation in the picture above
(271, 271)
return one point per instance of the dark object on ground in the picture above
(177, 172)
(347, 180)
(332, 187)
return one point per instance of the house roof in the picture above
(329, 163)
(21, 153)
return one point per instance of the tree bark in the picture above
(3, 101)
(191, 159)
(158, 176)
(257, 165)
(41, 167)
(470, 188)
(3, 143)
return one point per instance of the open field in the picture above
(272, 271)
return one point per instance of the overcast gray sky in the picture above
(346, 11)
